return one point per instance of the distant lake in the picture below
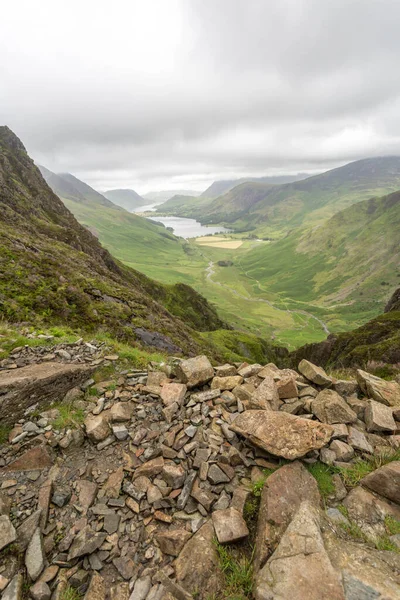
(147, 207)
(188, 228)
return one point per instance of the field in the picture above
(219, 242)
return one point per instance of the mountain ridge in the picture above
(126, 198)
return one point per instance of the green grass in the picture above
(69, 417)
(323, 475)
(4, 432)
(392, 525)
(353, 474)
(70, 593)
(238, 573)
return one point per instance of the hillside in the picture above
(180, 205)
(67, 186)
(218, 188)
(128, 199)
(348, 265)
(374, 345)
(275, 210)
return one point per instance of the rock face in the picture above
(195, 371)
(43, 383)
(300, 567)
(282, 434)
(386, 392)
(329, 407)
(385, 481)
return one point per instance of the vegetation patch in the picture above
(353, 474)
(237, 569)
(323, 475)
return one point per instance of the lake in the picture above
(188, 228)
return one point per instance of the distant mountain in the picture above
(66, 186)
(164, 195)
(128, 199)
(277, 209)
(218, 188)
(178, 203)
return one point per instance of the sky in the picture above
(173, 94)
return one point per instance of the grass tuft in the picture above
(323, 475)
(69, 417)
(70, 593)
(238, 573)
(353, 474)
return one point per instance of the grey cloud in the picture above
(157, 94)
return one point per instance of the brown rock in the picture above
(121, 411)
(266, 395)
(87, 492)
(197, 566)
(343, 451)
(386, 392)
(36, 459)
(229, 525)
(329, 407)
(172, 541)
(37, 383)
(379, 417)
(287, 387)
(173, 392)
(97, 427)
(112, 487)
(195, 371)
(97, 588)
(315, 374)
(282, 434)
(300, 568)
(150, 468)
(367, 509)
(385, 481)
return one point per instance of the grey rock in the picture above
(7, 532)
(34, 557)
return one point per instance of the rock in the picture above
(173, 392)
(315, 374)
(282, 434)
(150, 468)
(86, 542)
(120, 591)
(379, 417)
(34, 556)
(369, 511)
(281, 497)
(343, 451)
(250, 370)
(229, 525)
(14, 589)
(300, 568)
(216, 475)
(35, 459)
(112, 487)
(340, 430)
(195, 371)
(120, 432)
(7, 532)
(226, 383)
(336, 516)
(174, 475)
(26, 530)
(385, 392)
(186, 490)
(287, 387)
(141, 588)
(121, 411)
(327, 456)
(5, 504)
(44, 499)
(357, 440)
(203, 496)
(197, 566)
(97, 427)
(61, 497)
(172, 541)
(125, 566)
(96, 589)
(44, 383)
(385, 481)
(329, 407)
(265, 396)
(40, 591)
(345, 387)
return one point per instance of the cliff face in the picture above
(378, 340)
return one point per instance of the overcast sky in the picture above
(162, 94)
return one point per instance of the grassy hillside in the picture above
(128, 199)
(164, 195)
(275, 210)
(218, 188)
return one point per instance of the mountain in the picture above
(128, 199)
(69, 187)
(348, 265)
(54, 270)
(374, 345)
(273, 210)
(179, 203)
(164, 195)
(219, 188)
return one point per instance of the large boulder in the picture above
(300, 568)
(41, 384)
(329, 407)
(281, 497)
(385, 481)
(195, 371)
(197, 567)
(97, 426)
(379, 417)
(315, 374)
(282, 434)
(386, 392)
